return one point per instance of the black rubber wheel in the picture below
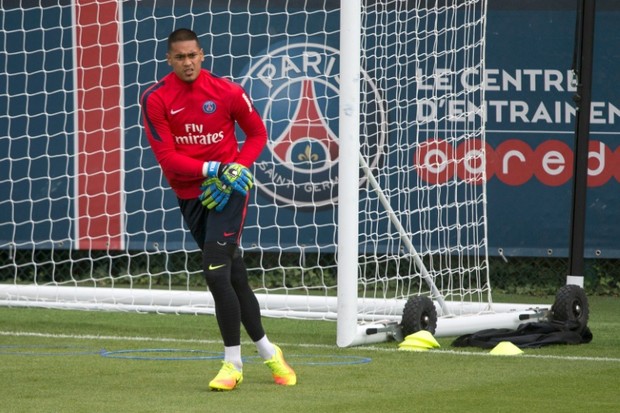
(571, 304)
(419, 314)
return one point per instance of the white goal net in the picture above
(87, 220)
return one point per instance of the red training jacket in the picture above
(188, 124)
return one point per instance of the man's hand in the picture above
(234, 175)
(238, 177)
(215, 194)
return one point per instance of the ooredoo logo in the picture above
(295, 89)
(514, 162)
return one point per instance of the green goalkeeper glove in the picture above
(214, 194)
(238, 177)
(234, 175)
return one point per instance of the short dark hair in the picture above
(181, 35)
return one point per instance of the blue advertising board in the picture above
(530, 117)
(531, 112)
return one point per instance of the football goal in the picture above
(369, 207)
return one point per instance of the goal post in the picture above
(348, 172)
(371, 189)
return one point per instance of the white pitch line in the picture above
(98, 337)
(536, 356)
(325, 346)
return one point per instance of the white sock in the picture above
(233, 355)
(265, 349)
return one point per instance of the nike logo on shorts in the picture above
(216, 267)
(229, 234)
(175, 111)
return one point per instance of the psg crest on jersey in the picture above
(209, 107)
(295, 89)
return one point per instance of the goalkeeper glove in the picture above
(214, 194)
(234, 175)
(238, 177)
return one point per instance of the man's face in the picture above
(186, 59)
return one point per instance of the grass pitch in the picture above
(74, 361)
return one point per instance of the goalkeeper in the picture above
(189, 116)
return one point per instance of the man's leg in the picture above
(222, 234)
(250, 309)
(217, 266)
(282, 373)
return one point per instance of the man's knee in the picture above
(217, 260)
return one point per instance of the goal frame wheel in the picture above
(419, 313)
(571, 304)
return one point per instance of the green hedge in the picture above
(531, 276)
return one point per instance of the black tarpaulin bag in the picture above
(529, 335)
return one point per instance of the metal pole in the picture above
(348, 170)
(583, 98)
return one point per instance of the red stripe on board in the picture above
(98, 129)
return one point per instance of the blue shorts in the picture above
(208, 225)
